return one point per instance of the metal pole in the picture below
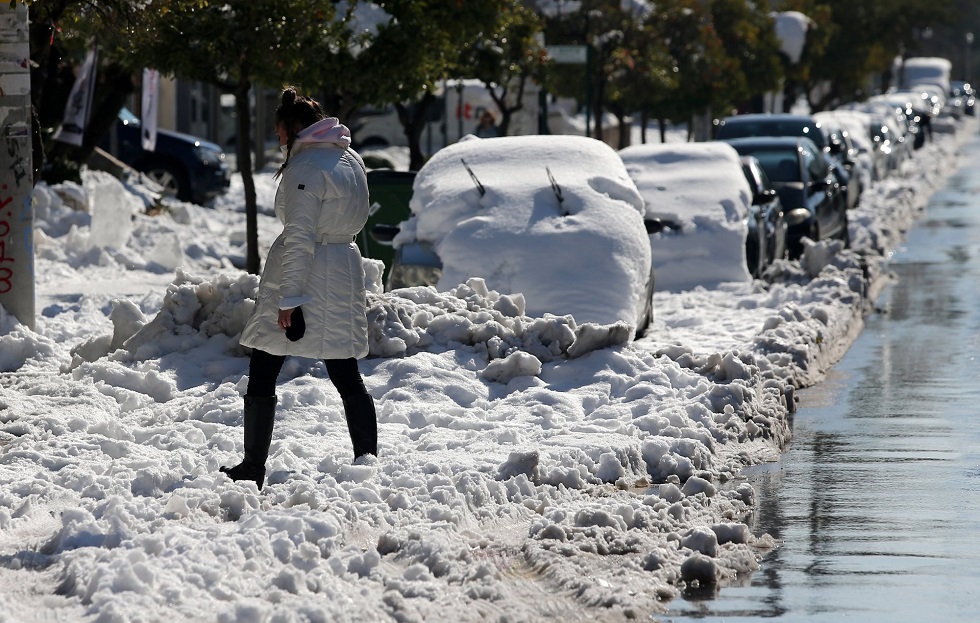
(16, 178)
(588, 90)
(969, 59)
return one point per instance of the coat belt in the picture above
(335, 239)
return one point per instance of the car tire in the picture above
(647, 320)
(170, 176)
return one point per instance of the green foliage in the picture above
(243, 41)
(505, 56)
(671, 58)
(748, 36)
(852, 41)
(415, 51)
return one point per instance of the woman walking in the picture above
(311, 298)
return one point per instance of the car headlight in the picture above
(797, 216)
(208, 156)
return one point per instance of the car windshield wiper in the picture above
(479, 186)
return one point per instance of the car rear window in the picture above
(780, 165)
(742, 129)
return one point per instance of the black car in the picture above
(766, 240)
(187, 167)
(813, 203)
(844, 153)
(789, 124)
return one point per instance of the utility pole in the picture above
(16, 173)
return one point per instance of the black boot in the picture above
(260, 417)
(362, 422)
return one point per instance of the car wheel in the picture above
(647, 320)
(170, 177)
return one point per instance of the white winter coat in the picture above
(322, 202)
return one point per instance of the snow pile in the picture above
(521, 455)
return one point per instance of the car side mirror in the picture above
(384, 233)
(763, 196)
(653, 225)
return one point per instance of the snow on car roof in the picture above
(700, 187)
(587, 254)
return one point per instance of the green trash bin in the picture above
(390, 192)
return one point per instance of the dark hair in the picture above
(296, 112)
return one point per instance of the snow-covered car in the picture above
(963, 96)
(850, 137)
(555, 218)
(844, 153)
(889, 130)
(699, 193)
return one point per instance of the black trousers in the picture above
(263, 372)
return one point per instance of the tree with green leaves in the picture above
(414, 52)
(850, 42)
(704, 70)
(644, 77)
(748, 35)
(599, 25)
(505, 57)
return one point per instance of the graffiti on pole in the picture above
(16, 183)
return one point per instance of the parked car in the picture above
(788, 124)
(963, 96)
(802, 176)
(918, 113)
(700, 195)
(850, 140)
(889, 131)
(187, 167)
(844, 154)
(767, 243)
(553, 217)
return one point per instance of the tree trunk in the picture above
(413, 121)
(253, 263)
(663, 129)
(623, 140)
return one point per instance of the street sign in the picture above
(570, 54)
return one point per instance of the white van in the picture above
(925, 70)
(456, 113)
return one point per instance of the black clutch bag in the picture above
(297, 326)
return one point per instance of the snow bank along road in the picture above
(530, 468)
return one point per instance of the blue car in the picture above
(188, 168)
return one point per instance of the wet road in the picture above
(877, 501)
